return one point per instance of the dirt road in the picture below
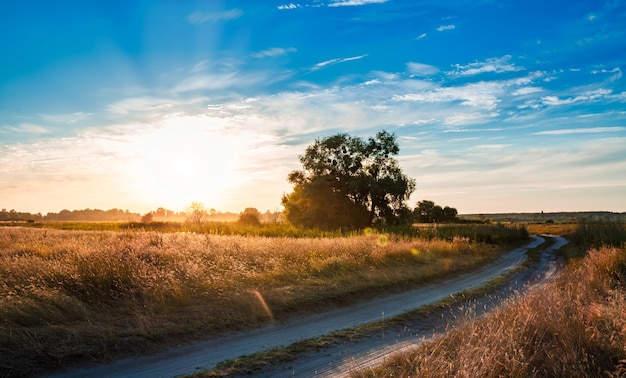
(344, 357)
(205, 355)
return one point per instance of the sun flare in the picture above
(182, 162)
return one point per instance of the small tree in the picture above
(147, 218)
(196, 213)
(250, 216)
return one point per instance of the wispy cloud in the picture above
(527, 91)
(592, 95)
(446, 27)
(335, 61)
(28, 128)
(483, 95)
(353, 3)
(590, 130)
(66, 118)
(289, 6)
(491, 147)
(421, 36)
(138, 104)
(273, 52)
(494, 65)
(197, 18)
(421, 69)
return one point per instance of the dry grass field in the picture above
(573, 327)
(76, 296)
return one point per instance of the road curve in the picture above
(191, 358)
(344, 358)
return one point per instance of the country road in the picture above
(344, 357)
(191, 358)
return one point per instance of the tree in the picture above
(147, 218)
(428, 212)
(349, 182)
(250, 216)
(196, 213)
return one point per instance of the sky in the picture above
(497, 106)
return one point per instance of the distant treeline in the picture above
(556, 217)
(112, 215)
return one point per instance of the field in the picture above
(69, 296)
(573, 327)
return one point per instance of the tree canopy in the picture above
(428, 212)
(347, 181)
(250, 216)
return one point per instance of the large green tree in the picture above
(347, 181)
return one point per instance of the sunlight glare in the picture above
(184, 161)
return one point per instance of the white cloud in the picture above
(495, 65)
(420, 69)
(586, 96)
(446, 27)
(421, 36)
(598, 71)
(352, 3)
(197, 18)
(526, 91)
(483, 95)
(289, 6)
(138, 104)
(226, 80)
(273, 52)
(335, 61)
(590, 130)
(469, 118)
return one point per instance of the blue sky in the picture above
(498, 106)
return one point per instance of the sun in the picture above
(184, 161)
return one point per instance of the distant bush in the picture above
(250, 216)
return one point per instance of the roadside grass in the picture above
(590, 234)
(74, 296)
(563, 229)
(573, 327)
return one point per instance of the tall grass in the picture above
(484, 233)
(574, 327)
(597, 234)
(70, 296)
(488, 233)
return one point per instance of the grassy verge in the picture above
(574, 327)
(75, 296)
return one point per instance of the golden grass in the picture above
(574, 327)
(68, 296)
(551, 228)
